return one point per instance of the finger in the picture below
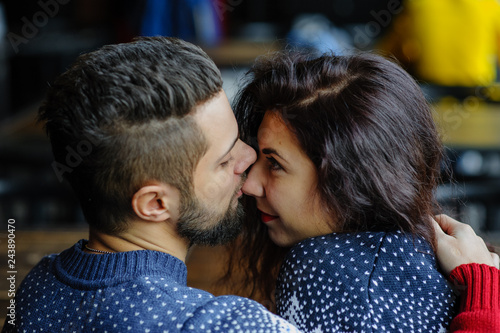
(437, 230)
(446, 223)
(496, 260)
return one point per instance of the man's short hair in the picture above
(120, 118)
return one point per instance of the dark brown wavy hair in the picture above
(367, 127)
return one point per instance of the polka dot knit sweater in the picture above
(137, 291)
(364, 282)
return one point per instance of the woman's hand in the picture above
(458, 244)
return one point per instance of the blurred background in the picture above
(451, 46)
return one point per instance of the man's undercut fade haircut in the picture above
(127, 108)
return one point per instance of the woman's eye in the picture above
(273, 164)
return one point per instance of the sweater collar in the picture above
(74, 266)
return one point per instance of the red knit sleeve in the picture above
(480, 299)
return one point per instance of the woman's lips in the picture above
(267, 218)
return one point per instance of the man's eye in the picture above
(226, 163)
(273, 164)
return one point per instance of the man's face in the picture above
(212, 215)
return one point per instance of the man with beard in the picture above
(146, 137)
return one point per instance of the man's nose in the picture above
(246, 159)
(253, 185)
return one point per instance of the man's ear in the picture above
(156, 203)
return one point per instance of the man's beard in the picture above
(202, 226)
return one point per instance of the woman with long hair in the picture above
(348, 159)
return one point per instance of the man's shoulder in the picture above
(42, 267)
(237, 313)
(195, 310)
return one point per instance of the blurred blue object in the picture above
(316, 32)
(192, 20)
(156, 19)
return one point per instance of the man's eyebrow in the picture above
(268, 151)
(230, 148)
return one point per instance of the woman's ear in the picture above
(156, 203)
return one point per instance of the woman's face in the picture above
(283, 181)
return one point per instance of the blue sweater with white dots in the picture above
(364, 282)
(137, 291)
